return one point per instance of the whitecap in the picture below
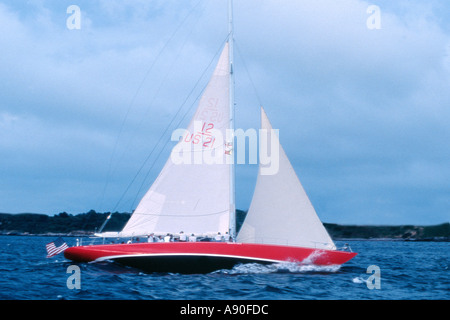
(359, 280)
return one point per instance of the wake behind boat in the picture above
(195, 192)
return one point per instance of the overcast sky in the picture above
(362, 105)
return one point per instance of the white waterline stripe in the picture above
(182, 255)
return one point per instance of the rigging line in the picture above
(181, 120)
(164, 133)
(166, 76)
(137, 92)
(168, 126)
(248, 74)
(164, 147)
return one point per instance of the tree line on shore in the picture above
(88, 223)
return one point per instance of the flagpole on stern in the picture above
(232, 225)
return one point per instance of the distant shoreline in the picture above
(86, 224)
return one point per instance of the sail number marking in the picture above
(205, 136)
(211, 111)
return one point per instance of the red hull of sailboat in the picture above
(193, 257)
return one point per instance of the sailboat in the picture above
(194, 194)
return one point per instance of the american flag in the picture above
(56, 247)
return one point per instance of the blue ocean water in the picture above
(407, 271)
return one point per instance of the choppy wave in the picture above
(282, 267)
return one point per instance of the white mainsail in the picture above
(192, 192)
(280, 211)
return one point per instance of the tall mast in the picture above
(232, 166)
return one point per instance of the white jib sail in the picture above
(281, 212)
(192, 192)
